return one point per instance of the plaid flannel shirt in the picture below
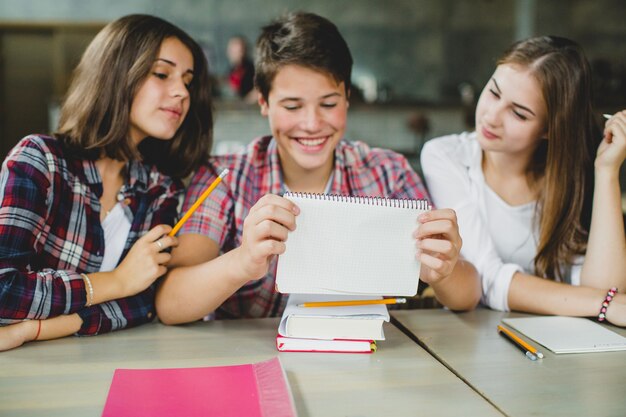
(359, 171)
(50, 232)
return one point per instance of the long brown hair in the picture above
(565, 160)
(95, 117)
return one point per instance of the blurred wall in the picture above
(413, 49)
(412, 54)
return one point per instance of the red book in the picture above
(293, 344)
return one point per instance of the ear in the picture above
(263, 104)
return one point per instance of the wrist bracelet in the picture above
(38, 330)
(89, 290)
(605, 304)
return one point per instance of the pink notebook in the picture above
(254, 390)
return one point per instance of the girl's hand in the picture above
(612, 150)
(15, 335)
(265, 231)
(145, 262)
(438, 244)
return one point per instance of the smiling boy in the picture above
(226, 258)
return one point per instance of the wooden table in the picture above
(71, 376)
(591, 384)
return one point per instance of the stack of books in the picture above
(349, 329)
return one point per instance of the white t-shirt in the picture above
(499, 239)
(116, 227)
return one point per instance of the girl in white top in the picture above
(539, 218)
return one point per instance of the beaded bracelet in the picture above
(90, 290)
(605, 304)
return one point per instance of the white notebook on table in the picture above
(351, 245)
(568, 334)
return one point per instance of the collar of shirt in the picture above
(333, 186)
(138, 176)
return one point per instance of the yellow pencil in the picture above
(521, 342)
(353, 302)
(193, 208)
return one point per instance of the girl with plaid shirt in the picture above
(84, 214)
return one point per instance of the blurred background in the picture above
(419, 64)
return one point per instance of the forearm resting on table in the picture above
(53, 328)
(532, 294)
(191, 292)
(461, 290)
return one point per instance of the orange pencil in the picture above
(193, 208)
(521, 342)
(353, 302)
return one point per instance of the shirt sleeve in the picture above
(118, 314)
(450, 186)
(25, 181)
(408, 183)
(213, 216)
(140, 308)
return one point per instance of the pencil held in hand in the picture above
(353, 302)
(195, 206)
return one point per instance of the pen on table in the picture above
(195, 205)
(353, 302)
(525, 347)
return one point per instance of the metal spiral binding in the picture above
(373, 201)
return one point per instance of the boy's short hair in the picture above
(304, 39)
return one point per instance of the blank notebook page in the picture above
(351, 245)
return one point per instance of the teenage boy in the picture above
(225, 263)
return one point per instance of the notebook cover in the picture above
(252, 390)
(568, 334)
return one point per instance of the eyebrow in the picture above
(515, 104)
(172, 63)
(300, 99)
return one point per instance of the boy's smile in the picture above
(307, 112)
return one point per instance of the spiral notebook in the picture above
(351, 245)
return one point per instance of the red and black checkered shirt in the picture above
(50, 232)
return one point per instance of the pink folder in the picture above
(258, 389)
